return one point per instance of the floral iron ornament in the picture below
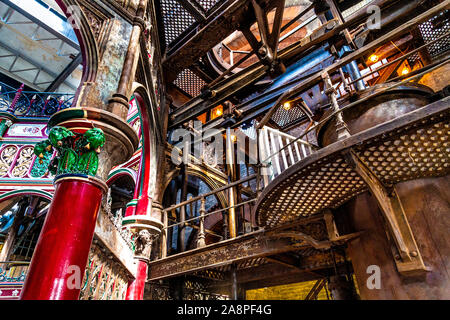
(76, 153)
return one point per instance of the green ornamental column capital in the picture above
(76, 153)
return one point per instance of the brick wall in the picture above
(295, 291)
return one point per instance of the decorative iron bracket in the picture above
(407, 255)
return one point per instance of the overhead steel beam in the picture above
(65, 73)
(219, 25)
(11, 72)
(41, 24)
(223, 253)
(226, 88)
(254, 245)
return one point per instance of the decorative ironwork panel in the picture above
(189, 82)
(32, 104)
(433, 29)
(176, 19)
(19, 161)
(104, 278)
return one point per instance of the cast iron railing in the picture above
(12, 272)
(32, 104)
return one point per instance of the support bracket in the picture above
(407, 255)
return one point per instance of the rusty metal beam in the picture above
(309, 268)
(228, 87)
(409, 260)
(246, 247)
(212, 30)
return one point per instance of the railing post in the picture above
(164, 235)
(231, 177)
(341, 127)
(201, 234)
(12, 106)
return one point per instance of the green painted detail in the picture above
(4, 125)
(40, 167)
(131, 203)
(125, 222)
(67, 114)
(77, 153)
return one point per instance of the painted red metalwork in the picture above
(136, 287)
(64, 242)
(144, 201)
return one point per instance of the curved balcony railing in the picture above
(32, 104)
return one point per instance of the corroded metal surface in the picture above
(214, 256)
(381, 108)
(412, 146)
(244, 252)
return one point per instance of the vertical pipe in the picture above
(201, 233)
(231, 176)
(183, 197)
(164, 235)
(234, 284)
(354, 73)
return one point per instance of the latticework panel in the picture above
(410, 155)
(283, 117)
(104, 278)
(326, 183)
(175, 18)
(433, 29)
(207, 4)
(189, 82)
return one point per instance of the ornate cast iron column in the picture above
(87, 142)
(144, 244)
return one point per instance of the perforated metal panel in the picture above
(433, 29)
(207, 4)
(189, 82)
(175, 18)
(283, 117)
(326, 184)
(421, 153)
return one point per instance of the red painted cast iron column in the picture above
(141, 218)
(135, 290)
(63, 246)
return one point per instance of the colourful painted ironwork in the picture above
(104, 279)
(32, 104)
(76, 153)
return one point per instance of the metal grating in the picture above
(325, 184)
(207, 4)
(283, 117)
(421, 153)
(433, 29)
(175, 18)
(189, 82)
